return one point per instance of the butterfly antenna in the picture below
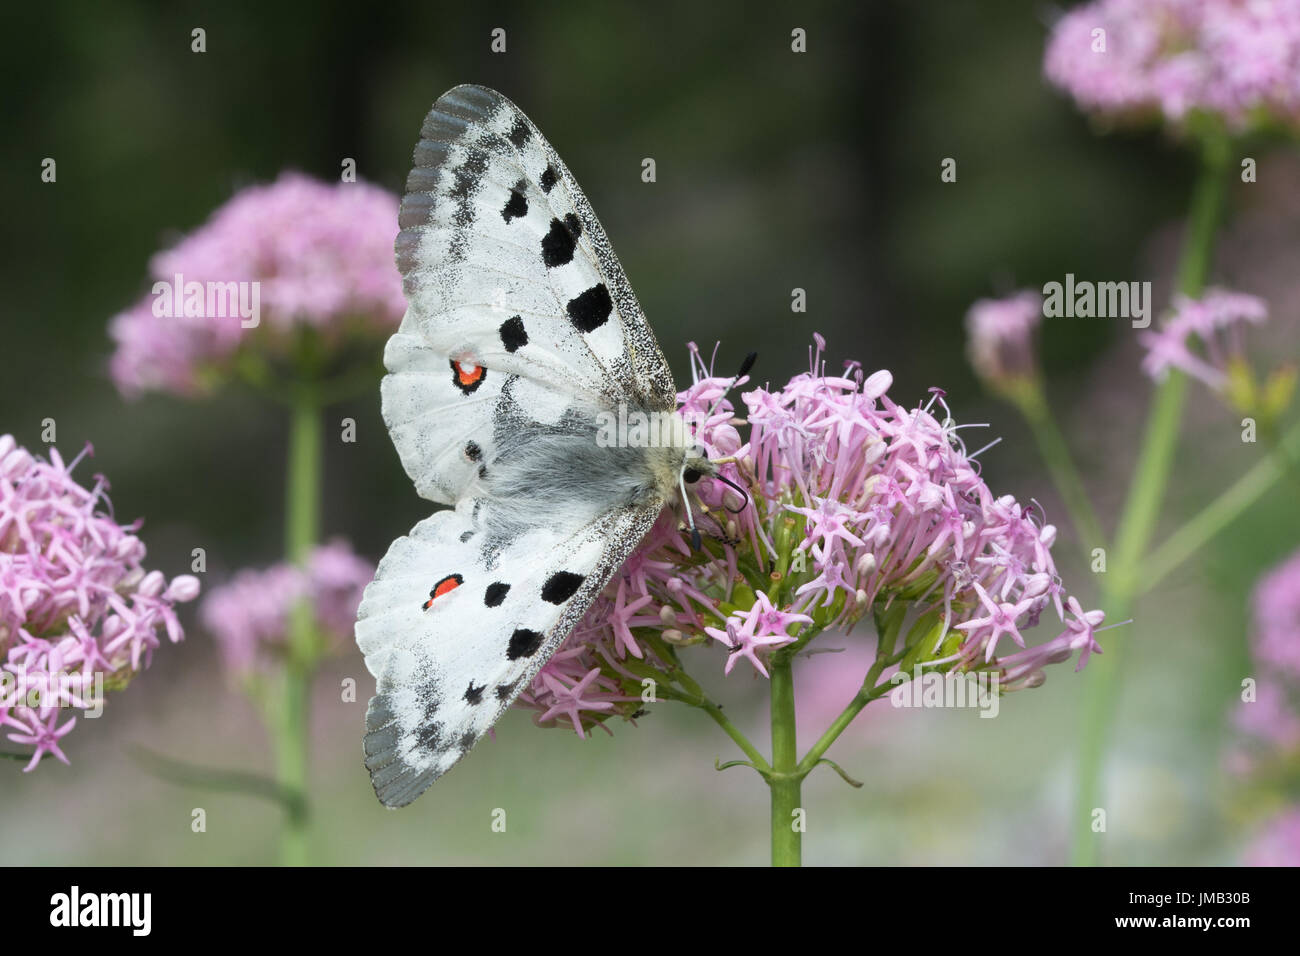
(745, 366)
(696, 541)
(743, 493)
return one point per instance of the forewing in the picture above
(506, 269)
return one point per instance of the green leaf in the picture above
(923, 640)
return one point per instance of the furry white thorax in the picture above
(576, 475)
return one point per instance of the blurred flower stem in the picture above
(1056, 453)
(1124, 580)
(1219, 513)
(290, 709)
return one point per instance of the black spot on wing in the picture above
(549, 177)
(513, 334)
(559, 243)
(429, 736)
(474, 694)
(523, 643)
(516, 206)
(495, 593)
(519, 133)
(504, 691)
(561, 586)
(590, 310)
(467, 740)
(468, 178)
(465, 536)
(473, 452)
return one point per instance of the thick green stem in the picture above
(785, 780)
(291, 708)
(302, 484)
(1141, 512)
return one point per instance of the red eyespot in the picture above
(449, 583)
(466, 374)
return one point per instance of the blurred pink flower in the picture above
(1216, 322)
(1278, 844)
(1133, 59)
(1271, 722)
(249, 615)
(321, 255)
(75, 602)
(1000, 337)
(864, 504)
(1271, 717)
(1276, 639)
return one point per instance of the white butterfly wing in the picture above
(508, 272)
(521, 330)
(453, 631)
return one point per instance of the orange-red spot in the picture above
(467, 373)
(449, 583)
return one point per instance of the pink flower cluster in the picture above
(321, 255)
(857, 505)
(1239, 59)
(1278, 844)
(1270, 724)
(75, 601)
(1216, 321)
(1273, 718)
(1000, 337)
(249, 615)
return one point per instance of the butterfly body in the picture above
(522, 339)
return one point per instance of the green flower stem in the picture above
(785, 781)
(1056, 453)
(290, 710)
(692, 693)
(866, 695)
(1219, 513)
(714, 711)
(888, 626)
(302, 487)
(1141, 511)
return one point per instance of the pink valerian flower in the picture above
(762, 626)
(1276, 639)
(857, 505)
(1278, 843)
(76, 603)
(1237, 59)
(248, 616)
(321, 255)
(1216, 322)
(1000, 338)
(1270, 724)
(1271, 719)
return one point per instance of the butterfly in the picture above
(521, 339)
